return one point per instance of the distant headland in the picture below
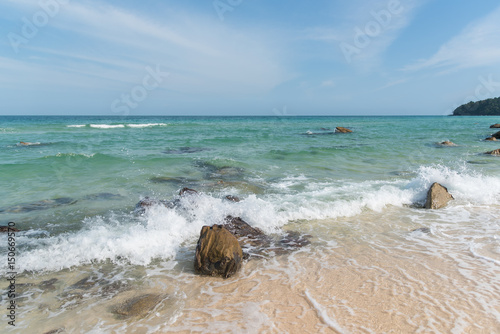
(489, 107)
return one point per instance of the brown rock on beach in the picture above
(218, 252)
(437, 197)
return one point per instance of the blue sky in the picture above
(247, 57)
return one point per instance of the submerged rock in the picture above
(425, 230)
(447, 143)
(494, 152)
(40, 205)
(240, 185)
(218, 252)
(137, 307)
(86, 283)
(48, 285)
(186, 150)
(175, 181)
(342, 129)
(437, 197)
(225, 172)
(56, 331)
(103, 196)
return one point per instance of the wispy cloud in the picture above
(367, 29)
(113, 45)
(477, 45)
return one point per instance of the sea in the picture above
(87, 260)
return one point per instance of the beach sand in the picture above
(371, 273)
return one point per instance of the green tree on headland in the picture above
(489, 107)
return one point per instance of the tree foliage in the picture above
(489, 107)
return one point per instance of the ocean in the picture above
(377, 262)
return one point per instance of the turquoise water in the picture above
(72, 188)
(107, 164)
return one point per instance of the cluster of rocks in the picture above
(494, 137)
(221, 248)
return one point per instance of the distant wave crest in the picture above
(117, 126)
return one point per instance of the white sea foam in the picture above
(161, 232)
(323, 314)
(464, 184)
(107, 126)
(116, 126)
(28, 144)
(148, 125)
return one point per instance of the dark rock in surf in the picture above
(218, 252)
(494, 152)
(6, 229)
(496, 135)
(437, 197)
(342, 130)
(241, 229)
(232, 198)
(147, 202)
(495, 126)
(491, 139)
(187, 191)
(255, 241)
(137, 307)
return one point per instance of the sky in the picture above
(247, 57)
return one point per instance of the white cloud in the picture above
(477, 45)
(111, 44)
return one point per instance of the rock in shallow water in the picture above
(447, 143)
(138, 306)
(494, 152)
(342, 129)
(437, 197)
(218, 252)
(40, 205)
